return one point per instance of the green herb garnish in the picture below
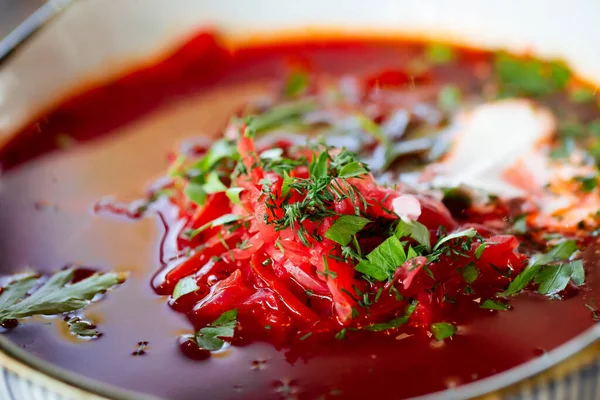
(296, 84)
(184, 286)
(195, 192)
(442, 330)
(494, 305)
(470, 273)
(209, 337)
(466, 233)
(415, 230)
(440, 54)
(353, 169)
(555, 278)
(222, 220)
(552, 279)
(82, 328)
(233, 194)
(221, 149)
(520, 76)
(213, 184)
(588, 183)
(479, 251)
(345, 227)
(582, 95)
(341, 335)
(279, 115)
(56, 296)
(382, 262)
(396, 322)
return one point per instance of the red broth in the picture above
(113, 140)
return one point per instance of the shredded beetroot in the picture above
(272, 259)
(273, 236)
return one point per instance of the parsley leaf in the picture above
(82, 328)
(345, 227)
(522, 280)
(353, 169)
(175, 169)
(382, 262)
(519, 76)
(562, 251)
(213, 184)
(184, 286)
(555, 278)
(479, 251)
(464, 233)
(296, 84)
(233, 194)
(341, 335)
(437, 53)
(470, 273)
(582, 95)
(588, 183)
(222, 220)
(318, 166)
(442, 330)
(279, 115)
(396, 322)
(578, 274)
(55, 296)
(287, 184)
(219, 150)
(415, 230)
(494, 305)
(195, 192)
(223, 327)
(16, 290)
(520, 224)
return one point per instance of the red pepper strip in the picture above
(296, 307)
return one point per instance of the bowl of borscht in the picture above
(300, 200)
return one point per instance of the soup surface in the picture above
(69, 176)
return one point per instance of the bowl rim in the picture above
(504, 382)
(25, 30)
(500, 383)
